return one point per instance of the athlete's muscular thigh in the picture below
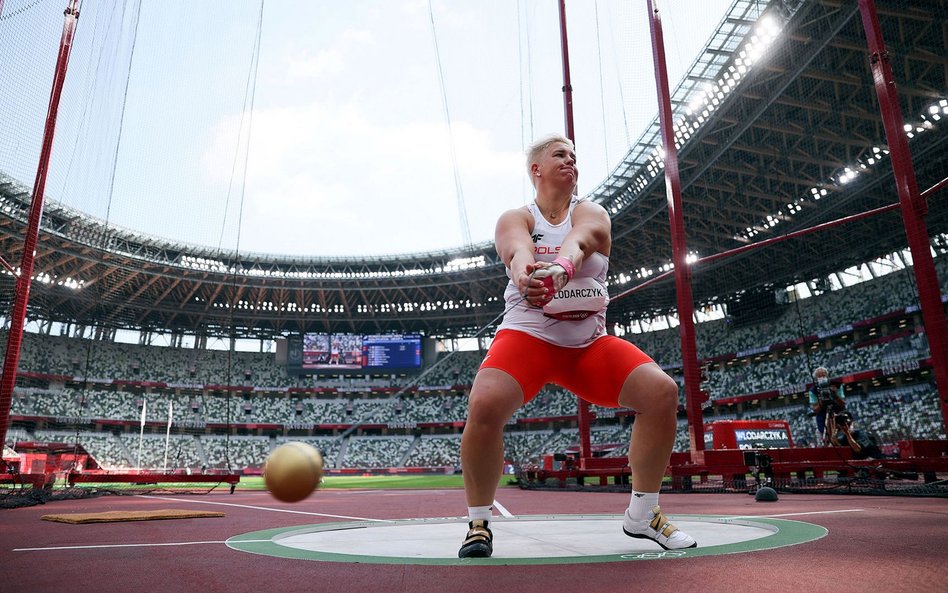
(649, 389)
(495, 396)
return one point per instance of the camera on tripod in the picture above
(759, 461)
(828, 400)
(760, 466)
(843, 419)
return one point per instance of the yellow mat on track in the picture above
(113, 516)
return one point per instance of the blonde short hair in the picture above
(539, 147)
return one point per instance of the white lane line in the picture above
(414, 492)
(798, 514)
(247, 506)
(503, 510)
(89, 547)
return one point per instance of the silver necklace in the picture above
(556, 212)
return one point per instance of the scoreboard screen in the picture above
(332, 351)
(355, 353)
(391, 351)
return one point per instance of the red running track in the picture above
(886, 544)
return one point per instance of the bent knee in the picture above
(651, 393)
(487, 411)
(492, 406)
(666, 396)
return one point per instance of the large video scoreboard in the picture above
(352, 353)
(391, 351)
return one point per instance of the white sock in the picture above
(641, 504)
(474, 513)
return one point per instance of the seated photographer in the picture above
(862, 443)
(826, 399)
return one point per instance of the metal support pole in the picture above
(685, 301)
(584, 415)
(20, 299)
(913, 205)
(567, 86)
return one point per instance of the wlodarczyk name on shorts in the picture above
(579, 293)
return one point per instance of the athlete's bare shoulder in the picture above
(517, 216)
(589, 207)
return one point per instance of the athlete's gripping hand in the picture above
(531, 288)
(553, 276)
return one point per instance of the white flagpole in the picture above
(141, 435)
(167, 437)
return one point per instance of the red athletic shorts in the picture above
(595, 373)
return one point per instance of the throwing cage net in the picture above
(111, 396)
(799, 254)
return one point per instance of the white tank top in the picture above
(547, 239)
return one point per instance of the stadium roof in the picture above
(779, 129)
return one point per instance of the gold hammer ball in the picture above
(293, 471)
